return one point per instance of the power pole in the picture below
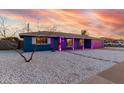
(28, 27)
(4, 33)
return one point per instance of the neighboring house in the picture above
(45, 40)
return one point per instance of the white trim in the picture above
(48, 40)
(33, 40)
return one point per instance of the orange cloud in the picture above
(108, 23)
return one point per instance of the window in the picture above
(69, 42)
(81, 42)
(40, 40)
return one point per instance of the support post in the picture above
(73, 44)
(83, 44)
(60, 42)
(91, 43)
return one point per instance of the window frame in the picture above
(34, 41)
(67, 42)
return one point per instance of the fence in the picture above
(7, 45)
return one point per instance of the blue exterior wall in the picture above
(28, 46)
(63, 43)
(55, 43)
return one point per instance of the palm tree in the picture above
(83, 32)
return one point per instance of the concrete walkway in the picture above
(114, 75)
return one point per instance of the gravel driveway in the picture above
(111, 55)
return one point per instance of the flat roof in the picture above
(54, 34)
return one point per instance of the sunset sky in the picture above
(98, 23)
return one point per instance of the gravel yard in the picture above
(54, 67)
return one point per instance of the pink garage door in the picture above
(97, 43)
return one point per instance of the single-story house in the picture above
(46, 40)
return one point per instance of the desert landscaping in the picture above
(65, 67)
